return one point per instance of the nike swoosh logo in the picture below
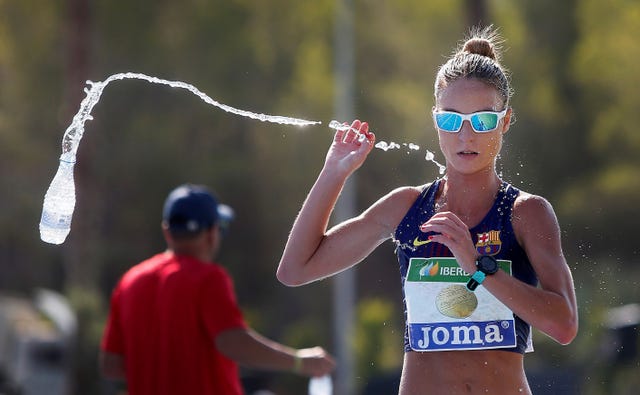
(417, 242)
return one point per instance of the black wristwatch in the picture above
(486, 265)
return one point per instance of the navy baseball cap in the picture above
(190, 209)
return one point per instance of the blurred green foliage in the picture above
(573, 67)
(376, 339)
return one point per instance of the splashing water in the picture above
(74, 132)
(59, 200)
(431, 156)
(338, 126)
(402, 246)
(412, 146)
(383, 145)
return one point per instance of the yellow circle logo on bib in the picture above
(455, 301)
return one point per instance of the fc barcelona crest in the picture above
(489, 243)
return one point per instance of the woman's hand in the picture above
(350, 148)
(453, 233)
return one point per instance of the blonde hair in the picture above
(479, 58)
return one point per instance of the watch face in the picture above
(487, 264)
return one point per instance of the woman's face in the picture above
(466, 151)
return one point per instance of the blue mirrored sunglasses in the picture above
(481, 121)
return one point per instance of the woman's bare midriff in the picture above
(463, 372)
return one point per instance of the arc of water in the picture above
(75, 130)
(59, 200)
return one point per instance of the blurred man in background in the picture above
(174, 326)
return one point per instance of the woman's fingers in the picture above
(355, 132)
(446, 223)
(452, 232)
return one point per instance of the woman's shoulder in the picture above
(527, 202)
(532, 211)
(392, 207)
(409, 190)
(406, 195)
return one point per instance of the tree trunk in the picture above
(78, 271)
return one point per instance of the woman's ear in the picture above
(435, 126)
(506, 121)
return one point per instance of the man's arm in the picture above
(251, 349)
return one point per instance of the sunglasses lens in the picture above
(448, 121)
(484, 122)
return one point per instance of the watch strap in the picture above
(476, 279)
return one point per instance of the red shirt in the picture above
(165, 315)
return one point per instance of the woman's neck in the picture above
(468, 196)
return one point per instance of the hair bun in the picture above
(479, 46)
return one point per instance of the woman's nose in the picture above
(466, 131)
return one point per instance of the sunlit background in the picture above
(575, 141)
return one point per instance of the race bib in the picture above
(443, 315)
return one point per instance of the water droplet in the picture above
(383, 145)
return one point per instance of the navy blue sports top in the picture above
(496, 236)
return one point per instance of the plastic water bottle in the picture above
(59, 202)
(321, 385)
